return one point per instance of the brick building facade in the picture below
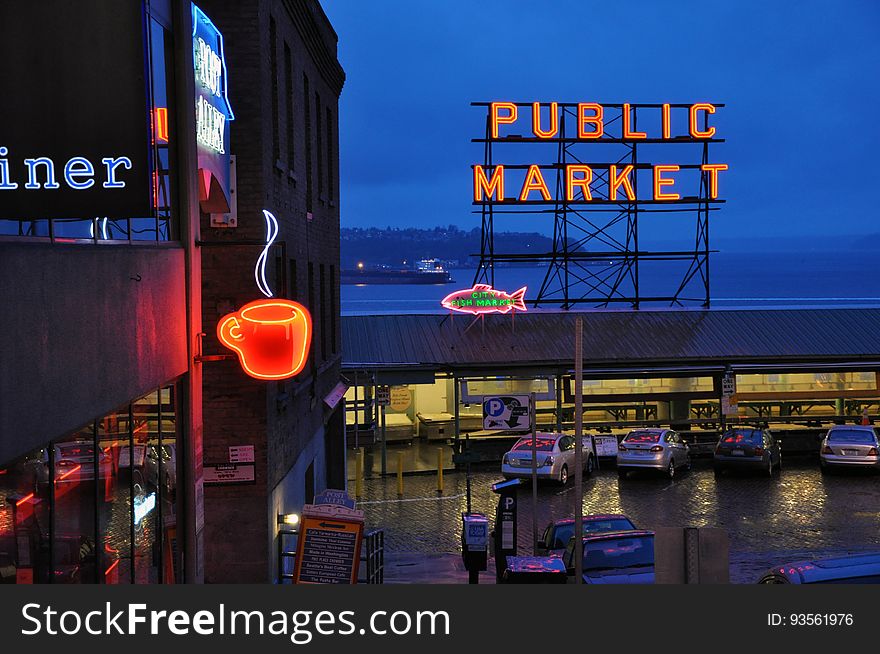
(284, 82)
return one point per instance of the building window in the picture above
(292, 282)
(334, 310)
(288, 92)
(319, 145)
(97, 505)
(317, 326)
(273, 82)
(322, 293)
(331, 164)
(307, 114)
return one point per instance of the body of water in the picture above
(789, 279)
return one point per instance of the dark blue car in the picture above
(854, 569)
(622, 557)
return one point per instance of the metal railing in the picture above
(372, 568)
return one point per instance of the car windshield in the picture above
(851, 436)
(619, 553)
(643, 437)
(544, 444)
(609, 524)
(741, 436)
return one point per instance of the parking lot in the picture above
(797, 514)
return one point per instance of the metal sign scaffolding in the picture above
(598, 255)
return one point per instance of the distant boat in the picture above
(427, 271)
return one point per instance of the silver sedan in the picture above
(851, 446)
(653, 449)
(555, 458)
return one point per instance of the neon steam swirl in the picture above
(260, 268)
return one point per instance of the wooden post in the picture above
(578, 451)
(440, 470)
(359, 474)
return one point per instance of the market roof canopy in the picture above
(613, 338)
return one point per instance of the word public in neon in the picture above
(492, 184)
(271, 336)
(482, 299)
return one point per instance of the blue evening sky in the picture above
(799, 80)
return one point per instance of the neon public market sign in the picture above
(489, 182)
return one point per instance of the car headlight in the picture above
(548, 461)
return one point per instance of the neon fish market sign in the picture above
(213, 110)
(482, 299)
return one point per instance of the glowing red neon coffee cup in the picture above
(271, 337)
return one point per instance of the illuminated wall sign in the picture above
(595, 123)
(75, 120)
(213, 110)
(482, 299)
(271, 336)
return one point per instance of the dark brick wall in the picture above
(278, 418)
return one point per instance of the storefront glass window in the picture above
(98, 505)
(74, 463)
(24, 520)
(114, 498)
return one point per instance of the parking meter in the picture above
(505, 533)
(474, 544)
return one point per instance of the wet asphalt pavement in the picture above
(797, 514)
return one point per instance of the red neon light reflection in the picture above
(24, 499)
(271, 337)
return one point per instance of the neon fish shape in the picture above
(482, 298)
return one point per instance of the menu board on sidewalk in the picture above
(329, 547)
(329, 553)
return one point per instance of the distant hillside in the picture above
(393, 247)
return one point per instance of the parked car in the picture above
(168, 477)
(653, 449)
(747, 448)
(556, 454)
(558, 533)
(850, 446)
(854, 569)
(534, 570)
(622, 557)
(74, 462)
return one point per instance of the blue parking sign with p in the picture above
(494, 407)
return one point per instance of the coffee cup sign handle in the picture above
(230, 332)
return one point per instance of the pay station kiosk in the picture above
(474, 544)
(505, 532)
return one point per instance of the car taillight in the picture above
(872, 451)
(505, 459)
(759, 451)
(621, 448)
(65, 463)
(657, 448)
(827, 450)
